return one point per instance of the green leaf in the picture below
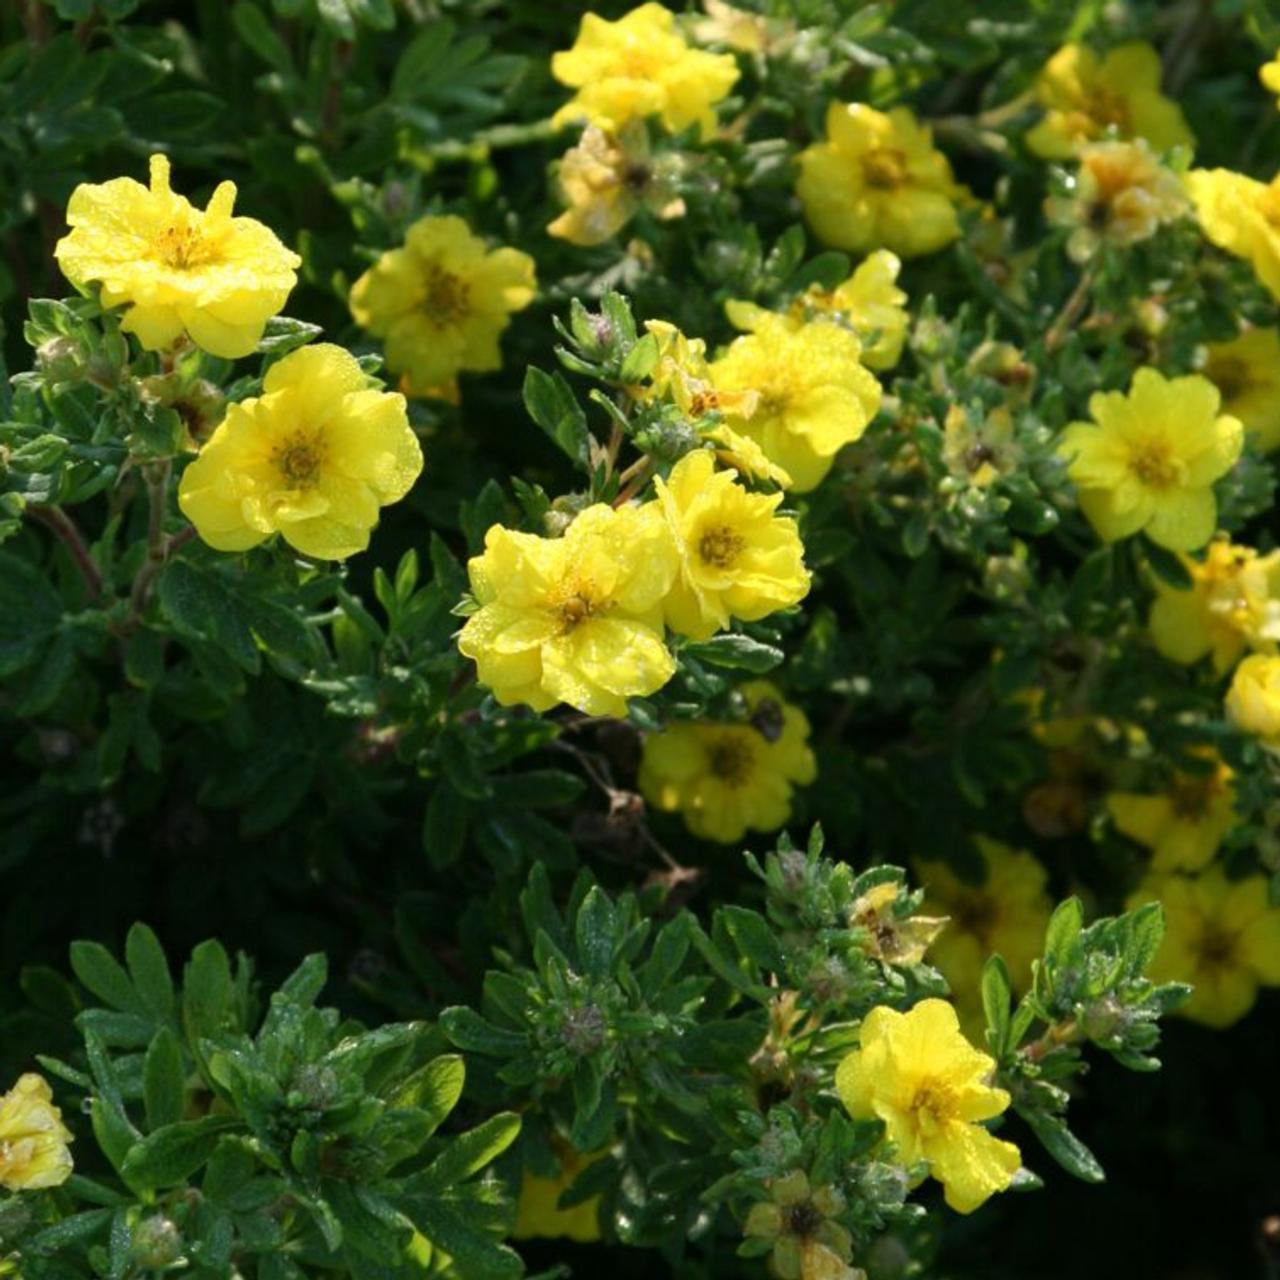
(1064, 1146)
(470, 1152)
(595, 933)
(1146, 933)
(444, 826)
(997, 998)
(473, 1254)
(736, 652)
(433, 1089)
(149, 970)
(206, 992)
(103, 974)
(1064, 928)
(468, 1030)
(254, 29)
(641, 360)
(172, 1154)
(30, 613)
(553, 406)
(163, 1083)
(754, 938)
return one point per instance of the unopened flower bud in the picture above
(157, 1242)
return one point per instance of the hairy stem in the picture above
(67, 532)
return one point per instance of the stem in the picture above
(158, 546)
(633, 479)
(1054, 1037)
(62, 525)
(1072, 308)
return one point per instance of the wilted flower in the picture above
(878, 182)
(1085, 96)
(33, 1139)
(896, 938)
(1122, 196)
(809, 1243)
(979, 447)
(441, 302)
(178, 269)
(606, 180)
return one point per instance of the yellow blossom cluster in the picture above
(580, 619)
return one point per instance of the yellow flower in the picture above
(814, 394)
(1148, 460)
(930, 1086)
(215, 277)
(1247, 372)
(726, 779)
(734, 28)
(313, 458)
(538, 1212)
(1253, 701)
(746, 457)
(641, 66)
(441, 302)
(979, 453)
(1221, 936)
(870, 303)
(1242, 216)
(893, 938)
(878, 182)
(1232, 604)
(1269, 74)
(1184, 825)
(1084, 96)
(738, 559)
(1006, 914)
(576, 619)
(1122, 196)
(33, 1139)
(605, 181)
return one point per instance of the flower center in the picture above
(884, 168)
(1110, 108)
(1153, 466)
(1230, 375)
(730, 759)
(720, 547)
(1216, 948)
(803, 1219)
(1190, 798)
(974, 913)
(446, 297)
(299, 461)
(182, 247)
(935, 1098)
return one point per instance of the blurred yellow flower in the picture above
(538, 1211)
(1221, 936)
(878, 182)
(1269, 74)
(870, 303)
(441, 302)
(1122, 196)
(606, 180)
(1084, 96)
(313, 459)
(576, 619)
(638, 66)
(930, 1086)
(1232, 604)
(1148, 460)
(178, 269)
(1185, 824)
(1246, 369)
(1005, 914)
(738, 559)
(728, 778)
(1242, 216)
(815, 396)
(1253, 701)
(33, 1139)
(735, 28)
